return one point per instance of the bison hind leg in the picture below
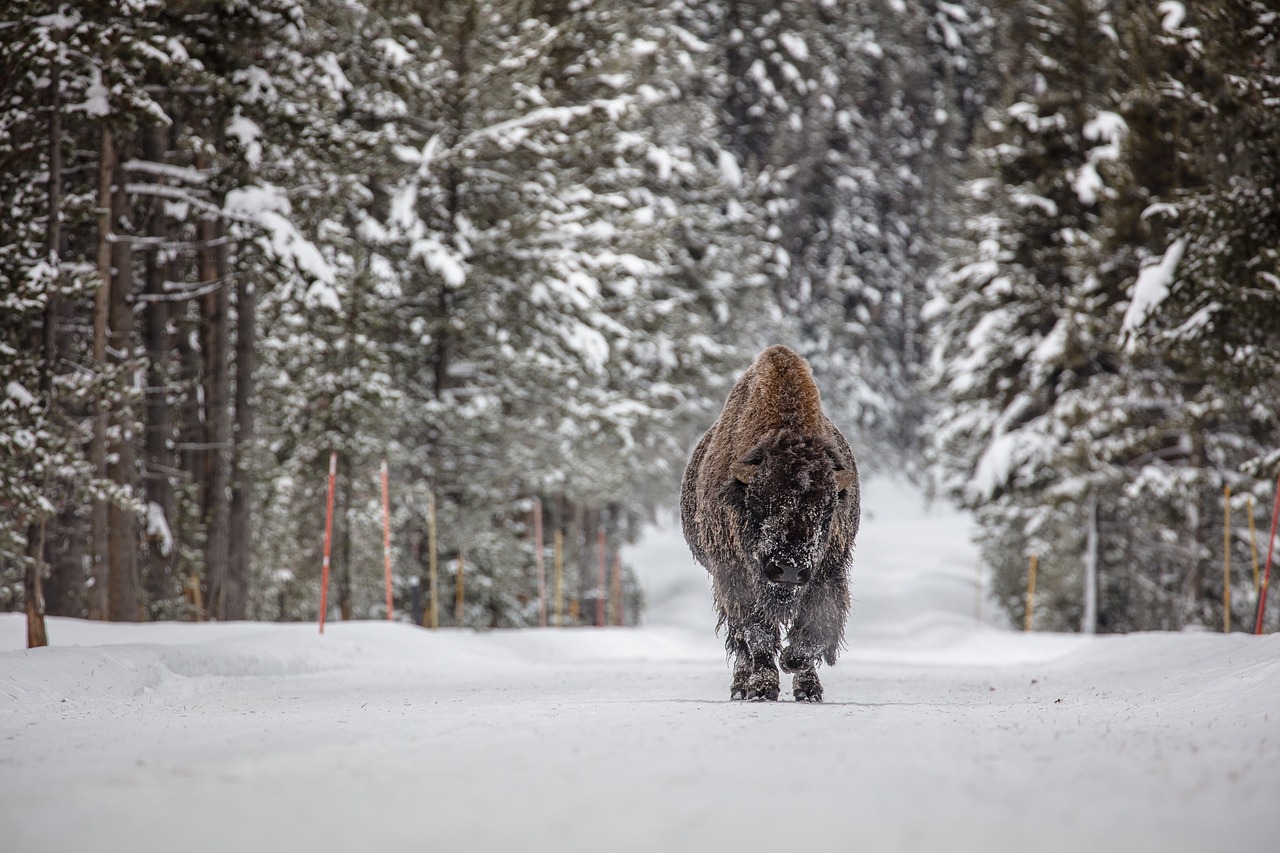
(805, 686)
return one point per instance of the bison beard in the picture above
(770, 506)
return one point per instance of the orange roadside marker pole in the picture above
(386, 538)
(1226, 560)
(559, 578)
(600, 541)
(328, 539)
(1266, 576)
(538, 559)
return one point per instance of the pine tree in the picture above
(1086, 429)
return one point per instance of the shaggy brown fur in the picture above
(770, 506)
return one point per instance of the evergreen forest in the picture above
(520, 249)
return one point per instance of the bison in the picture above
(770, 507)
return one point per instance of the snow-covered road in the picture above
(936, 734)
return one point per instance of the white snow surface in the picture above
(937, 734)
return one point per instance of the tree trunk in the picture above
(242, 482)
(53, 235)
(67, 556)
(98, 443)
(215, 343)
(33, 591)
(190, 426)
(123, 599)
(158, 466)
(344, 568)
(37, 632)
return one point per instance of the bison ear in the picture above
(743, 471)
(845, 478)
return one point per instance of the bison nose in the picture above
(786, 574)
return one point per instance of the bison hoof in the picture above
(737, 693)
(806, 687)
(763, 686)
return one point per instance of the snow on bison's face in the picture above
(786, 491)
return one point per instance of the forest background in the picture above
(520, 248)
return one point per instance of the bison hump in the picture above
(781, 394)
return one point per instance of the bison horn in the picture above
(743, 471)
(845, 478)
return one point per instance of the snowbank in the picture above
(938, 733)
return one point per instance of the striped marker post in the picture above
(328, 539)
(1266, 575)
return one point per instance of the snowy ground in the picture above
(937, 734)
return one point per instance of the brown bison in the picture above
(770, 506)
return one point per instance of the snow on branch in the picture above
(181, 174)
(268, 208)
(1149, 291)
(1107, 129)
(614, 107)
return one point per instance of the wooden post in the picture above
(459, 594)
(600, 555)
(1226, 560)
(1089, 619)
(1266, 575)
(196, 597)
(328, 538)
(1253, 548)
(1031, 594)
(432, 573)
(559, 578)
(617, 588)
(977, 592)
(386, 538)
(33, 592)
(538, 559)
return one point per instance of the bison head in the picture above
(787, 490)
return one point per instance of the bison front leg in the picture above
(755, 669)
(805, 686)
(801, 659)
(814, 635)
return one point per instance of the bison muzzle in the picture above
(770, 506)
